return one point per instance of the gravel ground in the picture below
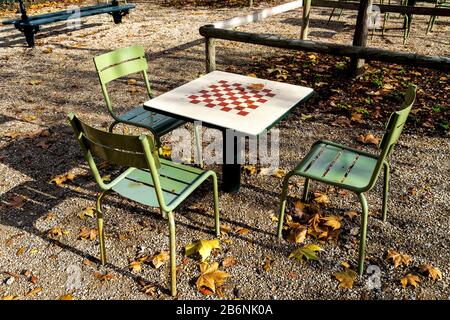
(38, 89)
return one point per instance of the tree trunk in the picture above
(360, 37)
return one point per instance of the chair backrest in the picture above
(123, 150)
(394, 128)
(120, 63)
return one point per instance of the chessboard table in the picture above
(230, 102)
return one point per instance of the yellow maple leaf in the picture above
(297, 234)
(210, 277)
(66, 297)
(250, 170)
(321, 198)
(166, 151)
(332, 221)
(87, 212)
(307, 252)
(410, 279)
(398, 258)
(345, 278)
(434, 273)
(86, 233)
(202, 247)
(33, 292)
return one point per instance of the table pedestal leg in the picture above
(231, 169)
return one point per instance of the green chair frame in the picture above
(351, 169)
(148, 179)
(123, 62)
(439, 4)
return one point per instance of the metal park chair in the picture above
(122, 62)
(351, 169)
(148, 179)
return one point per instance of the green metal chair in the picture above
(439, 4)
(351, 169)
(125, 61)
(148, 180)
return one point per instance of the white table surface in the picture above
(245, 104)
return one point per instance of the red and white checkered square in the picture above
(236, 98)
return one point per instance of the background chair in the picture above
(126, 61)
(351, 169)
(148, 180)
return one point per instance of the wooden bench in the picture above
(30, 25)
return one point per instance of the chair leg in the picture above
(101, 235)
(363, 232)
(305, 190)
(198, 143)
(282, 205)
(385, 191)
(216, 206)
(173, 264)
(112, 125)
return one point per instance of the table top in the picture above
(231, 101)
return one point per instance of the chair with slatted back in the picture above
(148, 179)
(123, 62)
(351, 169)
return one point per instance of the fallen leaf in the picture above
(149, 289)
(55, 232)
(17, 201)
(159, 259)
(87, 212)
(321, 198)
(250, 170)
(279, 173)
(345, 278)
(299, 209)
(33, 292)
(86, 233)
(66, 297)
(34, 82)
(131, 82)
(166, 151)
(47, 50)
(307, 252)
(210, 277)
(433, 273)
(368, 139)
(225, 229)
(410, 279)
(332, 221)
(256, 86)
(20, 251)
(202, 247)
(297, 234)
(267, 264)
(345, 264)
(10, 298)
(242, 231)
(229, 262)
(356, 117)
(398, 258)
(58, 180)
(350, 214)
(135, 266)
(33, 279)
(104, 277)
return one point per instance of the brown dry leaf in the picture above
(9, 297)
(60, 179)
(131, 82)
(297, 234)
(47, 50)
(321, 198)
(279, 173)
(225, 229)
(87, 212)
(33, 292)
(33, 279)
(256, 86)
(332, 221)
(242, 231)
(104, 277)
(149, 289)
(159, 259)
(20, 251)
(86, 233)
(398, 258)
(210, 277)
(66, 297)
(368, 139)
(17, 201)
(350, 214)
(410, 279)
(229, 262)
(299, 209)
(357, 117)
(267, 264)
(135, 266)
(433, 273)
(345, 278)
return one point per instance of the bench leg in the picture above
(29, 33)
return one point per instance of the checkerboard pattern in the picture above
(237, 98)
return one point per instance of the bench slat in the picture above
(67, 15)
